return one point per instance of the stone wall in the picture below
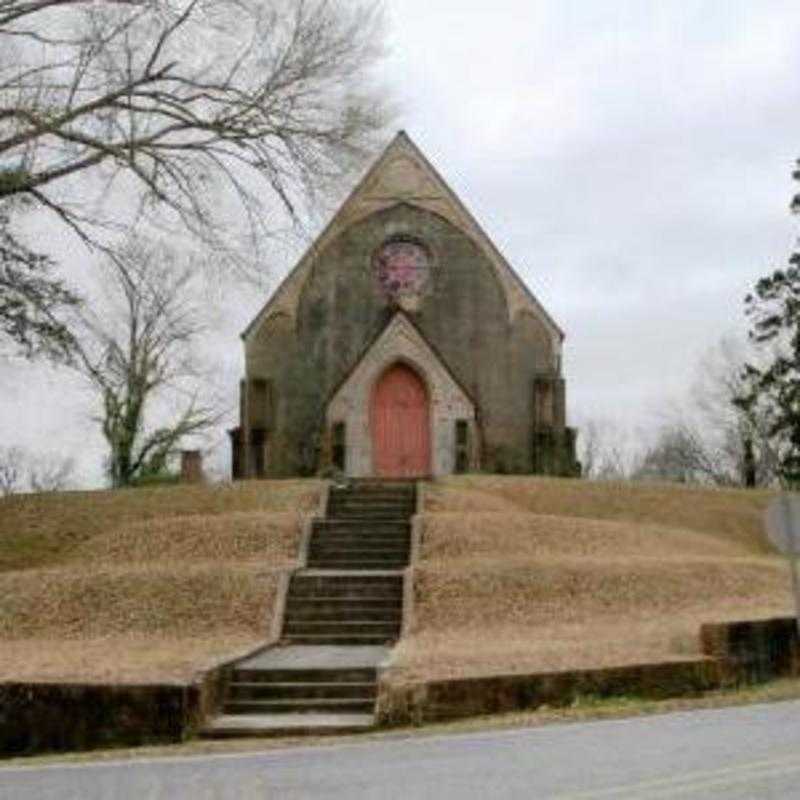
(736, 653)
(37, 718)
(462, 312)
(754, 650)
(418, 703)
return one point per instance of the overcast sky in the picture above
(631, 159)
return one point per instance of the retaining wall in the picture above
(755, 650)
(418, 703)
(735, 653)
(36, 718)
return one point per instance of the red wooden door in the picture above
(400, 417)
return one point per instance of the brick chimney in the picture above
(191, 466)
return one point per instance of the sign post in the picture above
(783, 529)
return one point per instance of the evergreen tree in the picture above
(773, 309)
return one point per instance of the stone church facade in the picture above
(402, 345)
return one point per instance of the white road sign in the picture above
(782, 521)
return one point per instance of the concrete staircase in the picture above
(345, 609)
(342, 614)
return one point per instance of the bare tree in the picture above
(605, 451)
(22, 471)
(141, 353)
(680, 454)
(211, 111)
(50, 473)
(11, 470)
(738, 436)
(708, 438)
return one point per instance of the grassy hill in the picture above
(516, 574)
(140, 585)
(530, 574)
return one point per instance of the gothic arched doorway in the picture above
(400, 424)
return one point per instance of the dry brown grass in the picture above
(128, 659)
(731, 514)
(175, 599)
(46, 529)
(270, 538)
(527, 575)
(450, 535)
(144, 585)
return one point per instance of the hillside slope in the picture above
(530, 574)
(142, 585)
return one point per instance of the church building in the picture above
(403, 344)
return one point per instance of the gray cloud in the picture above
(631, 159)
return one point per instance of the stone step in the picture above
(399, 505)
(374, 519)
(367, 532)
(351, 705)
(331, 613)
(356, 566)
(373, 494)
(339, 675)
(362, 537)
(286, 691)
(369, 512)
(373, 500)
(343, 604)
(365, 536)
(325, 550)
(358, 525)
(357, 561)
(347, 593)
(391, 599)
(352, 602)
(352, 525)
(338, 639)
(296, 623)
(377, 579)
(358, 553)
(359, 566)
(341, 627)
(338, 586)
(365, 487)
(359, 543)
(231, 726)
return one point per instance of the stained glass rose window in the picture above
(402, 267)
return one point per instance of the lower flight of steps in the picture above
(283, 701)
(342, 614)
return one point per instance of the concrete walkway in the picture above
(305, 657)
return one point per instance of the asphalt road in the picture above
(750, 752)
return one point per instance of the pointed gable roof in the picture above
(401, 336)
(400, 341)
(403, 174)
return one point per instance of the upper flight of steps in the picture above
(366, 528)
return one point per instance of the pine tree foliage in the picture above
(773, 309)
